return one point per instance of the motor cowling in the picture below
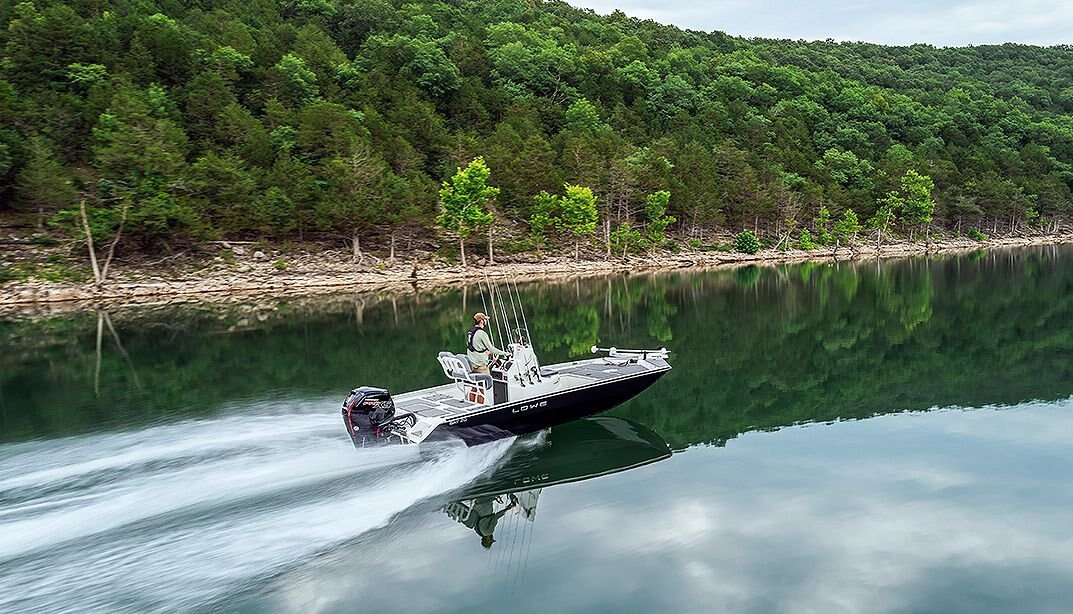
(365, 410)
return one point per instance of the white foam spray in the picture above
(177, 517)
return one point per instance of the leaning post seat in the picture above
(476, 386)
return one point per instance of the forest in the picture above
(175, 123)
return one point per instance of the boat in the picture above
(518, 396)
(588, 448)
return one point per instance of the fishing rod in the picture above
(517, 324)
(484, 303)
(528, 373)
(498, 320)
(533, 369)
(525, 323)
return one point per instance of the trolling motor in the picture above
(369, 416)
(629, 356)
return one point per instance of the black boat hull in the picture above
(529, 415)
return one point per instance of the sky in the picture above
(937, 22)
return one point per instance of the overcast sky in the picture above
(938, 22)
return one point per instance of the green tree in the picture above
(141, 158)
(579, 214)
(296, 82)
(354, 198)
(464, 202)
(656, 215)
(847, 227)
(823, 226)
(626, 239)
(544, 216)
(885, 215)
(918, 204)
(44, 184)
(746, 242)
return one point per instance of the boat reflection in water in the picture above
(577, 451)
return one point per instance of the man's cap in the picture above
(477, 317)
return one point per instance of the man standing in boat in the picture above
(479, 345)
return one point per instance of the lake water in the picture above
(846, 437)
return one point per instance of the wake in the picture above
(176, 517)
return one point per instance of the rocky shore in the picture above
(241, 273)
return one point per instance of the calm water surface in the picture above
(890, 437)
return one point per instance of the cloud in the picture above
(939, 22)
(938, 511)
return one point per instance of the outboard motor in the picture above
(366, 411)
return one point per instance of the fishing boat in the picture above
(517, 396)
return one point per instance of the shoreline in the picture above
(330, 272)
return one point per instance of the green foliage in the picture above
(746, 242)
(582, 116)
(44, 183)
(656, 214)
(464, 201)
(578, 214)
(297, 84)
(805, 240)
(847, 227)
(846, 169)
(823, 227)
(627, 239)
(86, 75)
(886, 215)
(977, 235)
(543, 217)
(273, 118)
(419, 59)
(918, 206)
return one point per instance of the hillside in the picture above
(188, 121)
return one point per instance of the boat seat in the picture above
(458, 368)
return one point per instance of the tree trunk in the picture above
(391, 258)
(89, 244)
(607, 236)
(491, 258)
(115, 240)
(462, 250)
(356, 256)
